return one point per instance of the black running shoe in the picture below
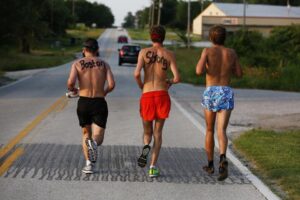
(209, 170)
(92, 150)
(223, 170)
(142, 160)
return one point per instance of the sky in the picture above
(120, 8)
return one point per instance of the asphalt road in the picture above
(41, 156)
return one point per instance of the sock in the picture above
(88, 162)
(222, 157)
(152, 166)
(211, 164)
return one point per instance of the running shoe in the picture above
(153, 172)
(223, 170)
(88, 169)
(209, 170)
(142, 160)
(92, 150)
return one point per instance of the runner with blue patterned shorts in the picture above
(218, 63)
(216, 98)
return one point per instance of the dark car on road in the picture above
(129, 53)
(122, 39)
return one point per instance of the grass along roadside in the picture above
(46, 53)
(143, 34)
(275, 78)
(275, 157)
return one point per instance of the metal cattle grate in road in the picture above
(115, 163)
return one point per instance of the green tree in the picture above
(168, 12)
(57, 15)
(32, 19)
(22, 21)
(129, 21)
(89, 13)
(142, 17)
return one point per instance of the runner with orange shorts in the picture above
(155, 103)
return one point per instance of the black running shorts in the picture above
(92, 110)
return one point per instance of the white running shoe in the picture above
(88, 169)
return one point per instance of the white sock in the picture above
(88, 162)
(152, 166)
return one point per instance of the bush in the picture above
(285, 44)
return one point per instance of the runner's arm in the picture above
(237, 69)
(175, 72)
(137, 71)
(200, 68)
(110, 80)
(72, 78)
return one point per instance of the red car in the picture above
(122, 39)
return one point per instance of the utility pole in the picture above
(188, 24)
(73, 8)
(159, 12)
(201, 2)
(52, 17)
(150, 13)
(153, 10)
(244, 17)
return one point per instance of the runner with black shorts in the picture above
(92, 74)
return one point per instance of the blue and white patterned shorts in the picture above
(216, 98)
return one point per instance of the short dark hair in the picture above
(157, 34)
(217, 34)
(91, 44)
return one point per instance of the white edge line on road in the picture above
(260, 186)
(16, 82)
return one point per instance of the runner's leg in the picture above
(98, 134)
(86, 134)
(148, 132)
(158, 127)
(210, 118)
(222, 123)
(147, 136)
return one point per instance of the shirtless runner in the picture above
(92, 111)
(219, 63)
(155, 102)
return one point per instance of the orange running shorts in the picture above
(155, 105)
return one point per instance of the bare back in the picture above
(219, 63)
(155, 61)
(92, 74)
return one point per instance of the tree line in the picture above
(174, 12)
(25, 21)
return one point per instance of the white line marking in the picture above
(260, 186)
(16, 82)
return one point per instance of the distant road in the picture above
(41, 156)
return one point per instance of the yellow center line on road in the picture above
(30, 127)
(63, 105)
(10, 160)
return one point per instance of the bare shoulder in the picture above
(144, 50)
(169, 53)
(231, 51)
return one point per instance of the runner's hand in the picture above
(169, 83)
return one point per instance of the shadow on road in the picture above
(115, 163)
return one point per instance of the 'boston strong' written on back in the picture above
(152, 58)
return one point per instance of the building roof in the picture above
(259, 10)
